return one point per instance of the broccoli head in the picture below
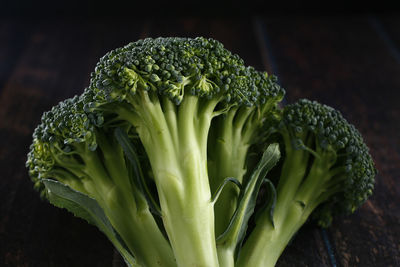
(168, 147)
(326, 170)
(80, 151)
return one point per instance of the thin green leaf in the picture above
(130, 152)
(85, 207)
(270, 202)
(236, 231)
(222, 186)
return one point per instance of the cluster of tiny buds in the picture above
(333, 132)
(175, 66)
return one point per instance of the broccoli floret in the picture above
(78, 150)
(326, 170)
(147, 152)
(171, 89)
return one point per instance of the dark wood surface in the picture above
(351, 63)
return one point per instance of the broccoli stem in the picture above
(229, 154)
(299, 193)
(141, 234)
(319, 178)
(134, 222)
(180, 172)
(226, 257)
(232, 134)
(267, 242)
(293, 172)
(268, 239)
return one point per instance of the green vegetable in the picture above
(168, 148)
(326, 170)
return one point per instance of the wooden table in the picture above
(351, 63)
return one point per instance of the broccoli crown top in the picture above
(61, 127)
(333, 134)
(173, 66)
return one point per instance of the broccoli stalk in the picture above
(134, 223)
(228, 152)
(326, 165)
(175, 141)
(231, 137)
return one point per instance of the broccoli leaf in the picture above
(87, 208)
(222, 186)
(236, 231)
(270, 202)
(130, 152)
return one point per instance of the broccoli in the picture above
(69, 146)
(168, 148)
(326, 170)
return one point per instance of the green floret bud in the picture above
(200, 66)
(338, 142)
(65, 124)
